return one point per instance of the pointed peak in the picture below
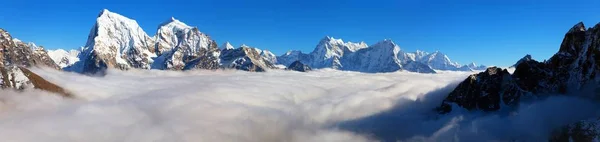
(331, 39)
(385, 43)
(174, 23)
(171, 20)
(104, 12)
(226, 46)
(579, 27)
(522, 60)
(387, 40)
(528, 57)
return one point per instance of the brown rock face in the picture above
(15, 56)
(20, 54)
(40, 83)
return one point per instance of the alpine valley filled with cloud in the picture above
(181, 85)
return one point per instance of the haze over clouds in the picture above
(323, 105)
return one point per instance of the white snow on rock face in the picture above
(226, 46)
(63, 58)
(438, 60)
(116, 41)
(16, 79)
(380, 57)
(269, 56)
(119, 42)
(177, 44)
(169, 35)
(336, 54)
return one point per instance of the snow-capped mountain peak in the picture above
(385, 43)
(115, 41)
(226, 46)
(439, 60)
(329, 39)
(178, 44)
(174, 24)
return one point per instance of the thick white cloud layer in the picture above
(324, 105)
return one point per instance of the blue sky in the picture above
(490, 32)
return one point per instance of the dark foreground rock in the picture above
(299, 66)
(572, 70)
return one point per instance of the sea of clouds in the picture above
(277, 106)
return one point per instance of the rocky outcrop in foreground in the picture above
(572, 70)
(15, 56)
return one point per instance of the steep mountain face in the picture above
(440, 61)
(245, 58)
(299, 66)
(268, 56)
(380, 57)
(64, 58)
(15, 56)
(292, 56)
(572, 70)
(115, 41)
(328, 52)
(179, 46)
(16, 53)
(118, 42)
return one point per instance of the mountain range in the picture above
(118, 42)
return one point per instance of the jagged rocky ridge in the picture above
(15, 57)
(245, 58)
(384, 56)
(572, 70)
